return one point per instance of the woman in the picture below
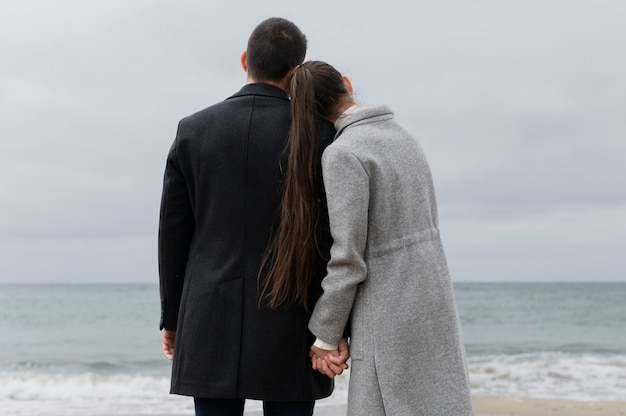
(387, 276)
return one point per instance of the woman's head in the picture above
(317, 86)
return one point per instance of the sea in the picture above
(95, 349)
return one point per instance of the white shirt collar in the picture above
(347, 113)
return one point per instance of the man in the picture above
(221, 196)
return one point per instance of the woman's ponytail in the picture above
(294, 247)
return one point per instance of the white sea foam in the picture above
(33, 393)
(550, 375)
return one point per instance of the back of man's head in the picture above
(275, 46)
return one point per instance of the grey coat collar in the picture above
(365, 115)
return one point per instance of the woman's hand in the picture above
(330, 362)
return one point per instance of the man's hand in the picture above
(344, 353)
(330, 362)
(169, 337)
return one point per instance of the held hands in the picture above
(330, 362)
(168, 343)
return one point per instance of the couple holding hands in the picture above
(298, 229)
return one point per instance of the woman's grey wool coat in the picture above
(388, 271)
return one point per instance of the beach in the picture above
(503, 406)
(500, 406)
(486, 405)
(506, 406)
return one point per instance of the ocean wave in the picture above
(551, 375)
(153, 367)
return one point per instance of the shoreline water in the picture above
(557, 342)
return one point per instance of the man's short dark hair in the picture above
(275, 46)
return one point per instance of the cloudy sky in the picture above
(520, 106)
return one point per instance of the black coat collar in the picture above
(261, 89)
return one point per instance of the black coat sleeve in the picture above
(176, 227)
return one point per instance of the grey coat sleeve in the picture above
(347, 190)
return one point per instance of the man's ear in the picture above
(348, 83)
(291, 72)
(244, 61)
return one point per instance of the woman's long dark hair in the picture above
(316, 90)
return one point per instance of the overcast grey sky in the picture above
(520, 106)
